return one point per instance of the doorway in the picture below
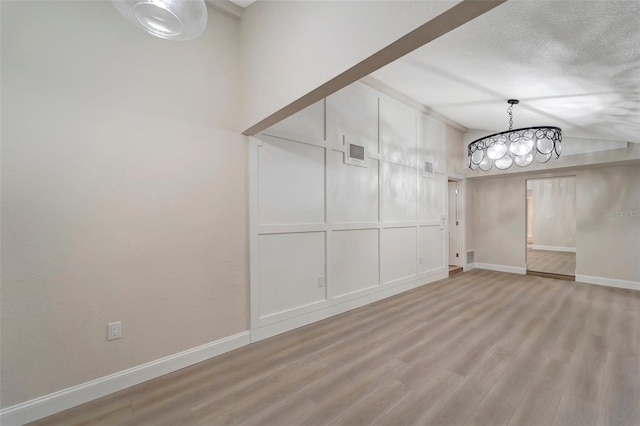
(551, 227)
(455, 260)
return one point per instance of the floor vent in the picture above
(470, 257)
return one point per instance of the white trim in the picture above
(270, 330)
(462, 216)
(254, 248)
(469, 267)
(552, 248)
(347, 153)
(501, 268)
(290, 228)
(56, 402)
(268, 137)
(609, 282)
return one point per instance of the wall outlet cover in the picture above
(114, 330)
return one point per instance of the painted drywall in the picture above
(455, 151)
(123, 194)
(607, 223)
(291, 48)
(499, 221)
(554, 212)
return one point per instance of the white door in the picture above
(454, 249)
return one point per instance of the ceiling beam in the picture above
(451, 19)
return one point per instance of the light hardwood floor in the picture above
(480, 348)
(554, 262)
(454, 269)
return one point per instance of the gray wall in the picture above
(123, 194)
(607, 221)
(554, 212)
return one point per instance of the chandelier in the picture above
(519, 146)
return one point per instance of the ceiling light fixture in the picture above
(518, 146)
(168, 19)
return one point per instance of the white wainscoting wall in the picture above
(329, 233)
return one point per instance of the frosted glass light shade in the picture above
(519, 146)
(168, 19)
(497, 150)
(504, 163)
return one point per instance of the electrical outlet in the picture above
(320, 281)
(114, 330)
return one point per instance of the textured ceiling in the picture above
(572, 64)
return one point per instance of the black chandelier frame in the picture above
(520, 146)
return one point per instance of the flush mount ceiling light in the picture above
(519, 146)
(168, 19)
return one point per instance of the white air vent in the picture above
(471, 257)
(355, 154)
(427, 169)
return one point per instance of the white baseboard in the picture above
(609, 282)
(553, 248)
(501, 268)
(283, 326)
(469, 267)
(56, 402)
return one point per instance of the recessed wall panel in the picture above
(398, 193)
(398, 252)
(430, 248)
(290, 266)
(290, 183)
(353, 112)
(398, 132)
(305, 125)
(431, 198)
(371, 220)
(355, 261)
(431, 144)
(354, 190)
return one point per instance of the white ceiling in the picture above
(573, 64)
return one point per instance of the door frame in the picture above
(526, 218)
(462, 218)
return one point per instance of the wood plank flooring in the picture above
(453, 269)
(554, 262)
(479, 348)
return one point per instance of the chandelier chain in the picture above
(510, 111)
